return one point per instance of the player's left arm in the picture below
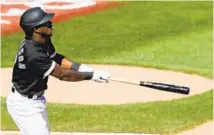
(66, 63)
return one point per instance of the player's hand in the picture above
(101, 76)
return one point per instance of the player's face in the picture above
(46, 28)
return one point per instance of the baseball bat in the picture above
(156, 85)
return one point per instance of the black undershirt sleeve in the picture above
(58, 58)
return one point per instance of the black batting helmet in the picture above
(32, 18)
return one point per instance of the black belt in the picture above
(37, 95)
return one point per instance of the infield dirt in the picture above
(90, 92)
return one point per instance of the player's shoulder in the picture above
(34, 49)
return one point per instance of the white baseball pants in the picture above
(30, 115)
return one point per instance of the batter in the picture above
(35, 61)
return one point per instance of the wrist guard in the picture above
(81, 67)
(87, 75)
(75, 66)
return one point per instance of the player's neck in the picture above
(38, 38)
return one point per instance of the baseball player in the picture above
(36, 59)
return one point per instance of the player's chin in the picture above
(50, 33)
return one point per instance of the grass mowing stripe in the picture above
(165, 117)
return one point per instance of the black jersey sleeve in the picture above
(51, 49)
(58, 58)
(53, 54)
(42, 64)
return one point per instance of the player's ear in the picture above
(36, 29)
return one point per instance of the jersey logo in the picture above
(20, 58)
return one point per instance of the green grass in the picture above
(165, 35)
(166, 117)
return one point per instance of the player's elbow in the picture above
(61, 76)
(58, 72)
